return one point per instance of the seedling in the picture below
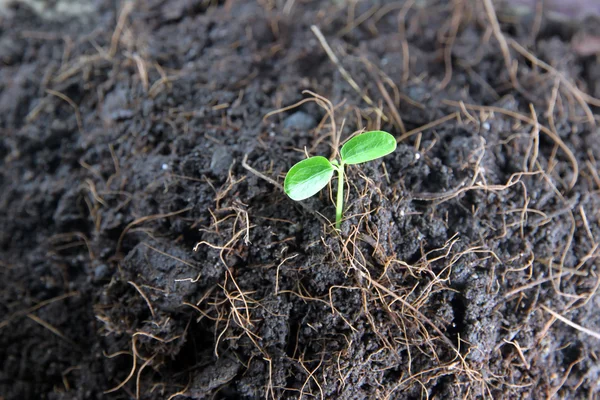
(308, 177)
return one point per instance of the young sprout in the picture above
(309, 176)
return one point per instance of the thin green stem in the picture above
(339, 207)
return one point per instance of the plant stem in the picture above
(339, 207)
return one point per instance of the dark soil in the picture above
(123, 137)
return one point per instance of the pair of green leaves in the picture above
(309, 176)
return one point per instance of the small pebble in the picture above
(221, 160)
(300, 120)
(101, 272)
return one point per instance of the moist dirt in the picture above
(147, 250)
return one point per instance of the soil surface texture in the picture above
(147, 250)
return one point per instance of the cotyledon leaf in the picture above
(367, 146)
(308, 177)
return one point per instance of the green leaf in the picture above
(367, 146)
(308, 177)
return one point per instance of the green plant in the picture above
(309, 176)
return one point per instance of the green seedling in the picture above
(308, 177)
